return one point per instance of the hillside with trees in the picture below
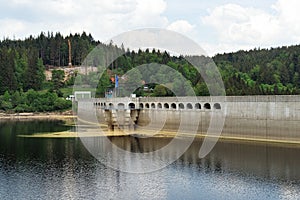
(23, 63)
(261, 71)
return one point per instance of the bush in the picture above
(33, 101)
(62, 104)
(21, 108)
(6, 105)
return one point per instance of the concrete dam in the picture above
(271, 118)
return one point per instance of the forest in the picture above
(273, 71)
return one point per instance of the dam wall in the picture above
(257, 117)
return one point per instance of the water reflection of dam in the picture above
(256, 117)
(263, 160)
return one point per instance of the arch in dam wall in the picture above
(197, 106)
(111, 106)
(189, 106)
(166, 106)
(153, 105)
(207, 106)
(159, 105)
(173, 106)
(181, 106)
(131, 105)
(217, 106)
(121, 106)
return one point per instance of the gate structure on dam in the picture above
(123, 113)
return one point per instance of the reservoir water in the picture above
(61, 168)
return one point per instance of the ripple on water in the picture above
(32, 168)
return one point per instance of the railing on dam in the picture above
(157, 103)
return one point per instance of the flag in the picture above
(116, 81)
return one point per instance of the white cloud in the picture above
(235, 26)
(251, 27)
(148, 13)
(18, 26)
(289, 17)
(103, 18)
(181, 26)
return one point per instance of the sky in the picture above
(216, 25)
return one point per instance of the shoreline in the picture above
(37, 116)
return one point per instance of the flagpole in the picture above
(116, 84)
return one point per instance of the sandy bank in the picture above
(35, 116)
(162, 134)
